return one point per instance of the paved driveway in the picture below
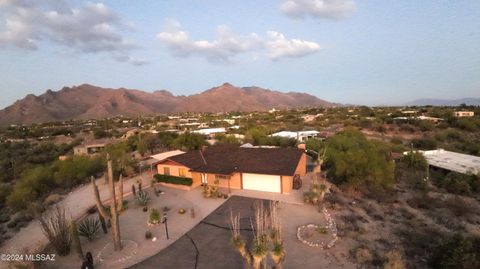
(207, 245)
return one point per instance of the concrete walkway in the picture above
(76, 204)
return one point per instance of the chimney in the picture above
(302, 146)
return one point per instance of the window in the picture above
(166, 171)
(218, 177)
(182, 172)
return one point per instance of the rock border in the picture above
(331, 226)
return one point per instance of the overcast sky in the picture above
(347, 51)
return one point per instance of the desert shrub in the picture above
(425, 143)
(154, 216)
(459, 206)
(458, 183)
(52, 199)
(5, 190)
(415, 160)
(363, 255)
(142, 198)
(396, 140)
(55, 227)
(148, 235)
(456, 252)
(4, 217)
(394, 260)
(174, 180)
(89, 227)
(354, 161)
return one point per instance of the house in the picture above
(210, 132)
(232, 167)
(461, 114)
(301, 136)
(89, 149)
(452, 161)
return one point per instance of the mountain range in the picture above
(92, 102)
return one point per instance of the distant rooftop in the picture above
(453, 161)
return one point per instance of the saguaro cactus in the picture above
(115, 204)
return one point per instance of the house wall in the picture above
(287, 184)
(302, 166)
(235, 181)
(174, 169)
(197, 179)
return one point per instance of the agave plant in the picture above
(88, 227)
(142, 198)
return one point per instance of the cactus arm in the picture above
(98, 202)
(120, 194)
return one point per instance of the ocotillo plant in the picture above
(115, 204)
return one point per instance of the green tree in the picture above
(226, 139)
(355, 161)
(189, 141)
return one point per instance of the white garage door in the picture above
(260, 182)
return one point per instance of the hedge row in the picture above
(174, 180)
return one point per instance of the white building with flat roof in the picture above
(210, 131)
(300, 136)
(461, 114)
(453, 161)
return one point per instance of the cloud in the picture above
(228, 44)
(89, 28)
(322, 9)
(278, 46)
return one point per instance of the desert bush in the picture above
(458, 183)
(425, 143)
(459, 206)
(357, 162)
(89, 227)
(142, 198)
(456, 252)
(154, 216)
(363, 255)
(148, 235)
(55, 227)
(52, 199)
(394, 260)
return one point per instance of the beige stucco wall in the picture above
(302, 166)
(235, 181)
(287, 184)
(174, 169)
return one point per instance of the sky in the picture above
(348, 51)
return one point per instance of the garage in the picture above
(259, 182)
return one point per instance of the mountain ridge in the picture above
(87, 101)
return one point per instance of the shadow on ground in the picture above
(207, 245)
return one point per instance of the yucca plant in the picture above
(143, 198)
(89, 227)
(56, 227)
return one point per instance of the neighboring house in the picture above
(461, 114)
(89, 149)
(300, 136)
(231, 167)
(210, 132)
(452, 161)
